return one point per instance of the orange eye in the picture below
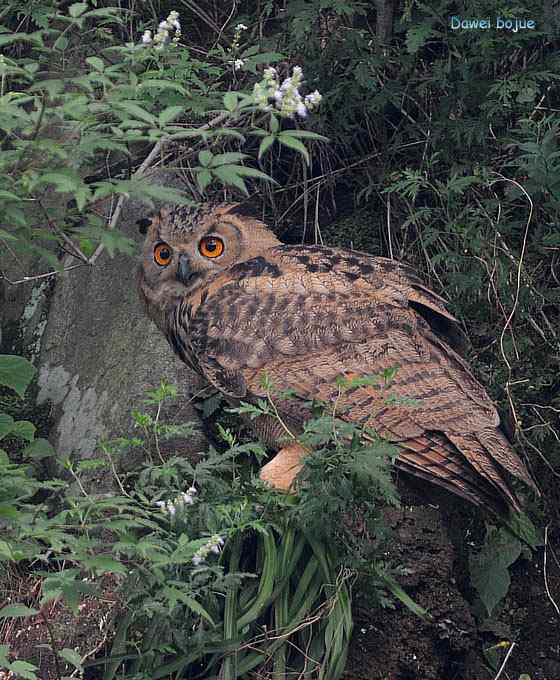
(162, 254)
(211, 246)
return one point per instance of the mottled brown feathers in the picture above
(310, 314)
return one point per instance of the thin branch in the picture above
(510, 650)
(389, 227)
(516, 298)
(154, 153)
(76, 251)
(545, 574)
(26, 279)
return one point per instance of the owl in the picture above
(234, 303)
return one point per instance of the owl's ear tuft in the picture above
(143, 225)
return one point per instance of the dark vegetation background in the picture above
(444, 153)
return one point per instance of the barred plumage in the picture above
(310, 314)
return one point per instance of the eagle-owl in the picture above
(233, 301)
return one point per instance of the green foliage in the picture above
(489, 567)
(16, 373)
(208, 557)
(73, 136)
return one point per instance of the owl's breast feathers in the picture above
(308, 314)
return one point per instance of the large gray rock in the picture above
(99, 354)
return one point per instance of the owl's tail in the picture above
(474, 475)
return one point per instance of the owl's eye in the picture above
(211, 246)
(162, 254)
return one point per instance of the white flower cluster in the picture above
(214, 545)
(163, 34)
(269, 95)
(178, 503)
(237, 63)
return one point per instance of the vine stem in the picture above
(545, 574)
(54, 646)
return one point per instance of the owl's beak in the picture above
(184, 270)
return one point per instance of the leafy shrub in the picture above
(224, 576)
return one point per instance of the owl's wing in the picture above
(309, 321)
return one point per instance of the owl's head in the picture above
(187, 245)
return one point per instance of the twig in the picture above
(78, 480)
(114, 470)
(76, 251)
(510, 650)
(120, 203)
(54, 645)
(517, 290)
(545, 575)
(26, 279)
(140, 172)
(389, 226)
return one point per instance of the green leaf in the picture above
(394, 588)
(137, 112)
(197, 608)
(104, 564)
(39, 449)
(203, 179)
(6, 236)
(71, 656)
(8, 196)
(61, 43)
(205, 158)
(4, 650)
(77, 9)
(266, 143)
(417, 36)
(97, 63)
(6, 424)
(113, 240)
(17, 610)
(230, 101)
(23, 429)
(524, 529)
(228, 174)
(8, 38)
(164, 194)
(489, 568)
(227, 158)
(156, 83)
(16, 372)
(292, 143)
(307, 134)
(274, 124)
(24, 670)
(63, 181)
(169, 114)
(6, 552)
(253, 172)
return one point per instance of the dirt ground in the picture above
(397, 645)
